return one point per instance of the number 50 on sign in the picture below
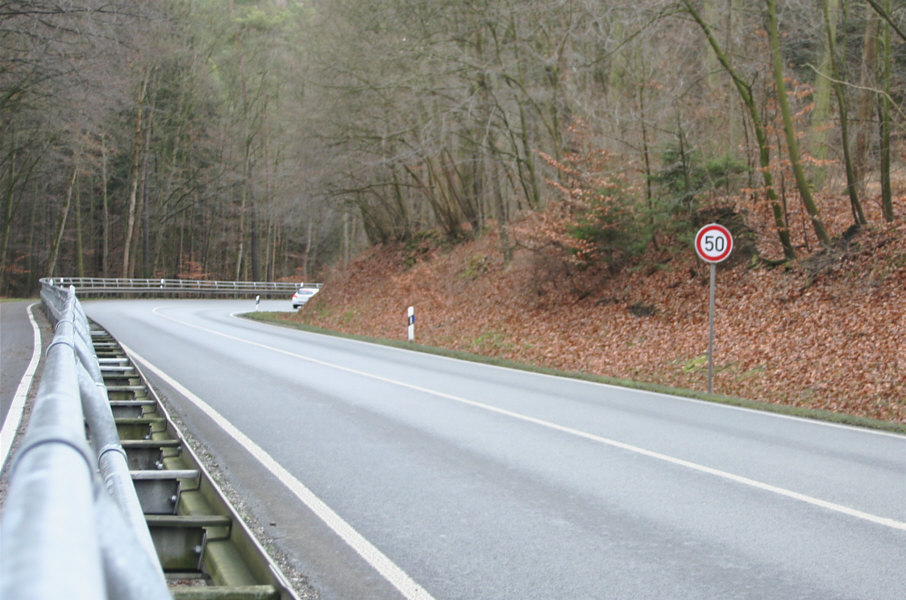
(713, 243)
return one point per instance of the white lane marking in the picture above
(17, 408)
(639, 391)
(760, 485)
(374, 557)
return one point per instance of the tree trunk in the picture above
(241, 248)
(144, 209)
(254, 243)
(883, 8)
(820, 116)
(57, 240)
(8, 204)
(792, 143)
(270, 252)
(346, 252)
(764, 149)
(840, 93)
(646, 160)
(500, 211)
(307, 253)
(33, 268)
(884, 106)
(269, 224)
(105, 224)
(135, 176)
(865, 98)
(146, 228)
(80, 250)
(139, 232)
(10, 197)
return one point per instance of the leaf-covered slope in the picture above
(828, 332)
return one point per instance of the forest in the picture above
(269, 139)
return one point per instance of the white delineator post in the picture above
(411, 323)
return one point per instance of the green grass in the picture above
(492, 340)
(794, 411)
(696, 364)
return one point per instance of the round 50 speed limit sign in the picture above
(713, 243)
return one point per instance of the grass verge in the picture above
(793, 411)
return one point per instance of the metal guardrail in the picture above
(134, 516)
(64, 533)
(93, 286)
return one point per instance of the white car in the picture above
(303, 295)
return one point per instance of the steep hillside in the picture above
(827, 332)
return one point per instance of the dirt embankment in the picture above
(826, 332)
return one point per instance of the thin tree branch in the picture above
(886, 16)
(863, 88)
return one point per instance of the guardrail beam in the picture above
(77, 536)
(100, 286)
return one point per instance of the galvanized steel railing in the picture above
(65, 533)
(89, 286)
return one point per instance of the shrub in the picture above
(596, 218)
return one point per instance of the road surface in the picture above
(24, 333)
(16, 348)
(385, 473)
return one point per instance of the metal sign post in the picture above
(713, 244)
(711, 329)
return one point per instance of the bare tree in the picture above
(764, 152)
(792, 143)
(836, 76)
(884, 112)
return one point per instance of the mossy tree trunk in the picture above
(764, 149)
(789, 130)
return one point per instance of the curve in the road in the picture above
(13, 416)
(766, 487)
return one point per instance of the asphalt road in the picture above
(19, 363)
(16, 344)
(384, 473)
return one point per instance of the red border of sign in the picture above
(698, 240)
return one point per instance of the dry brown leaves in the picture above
(827, 333)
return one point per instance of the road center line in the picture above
(760, 485)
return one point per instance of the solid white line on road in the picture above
(374, 557)
(760, 485)
(17, 408)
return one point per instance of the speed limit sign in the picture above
(713, 243)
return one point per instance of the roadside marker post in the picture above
(411, 322)
(713, 244)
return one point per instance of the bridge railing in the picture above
(94, 286)
(64, 533)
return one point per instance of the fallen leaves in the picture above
(833, 340)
